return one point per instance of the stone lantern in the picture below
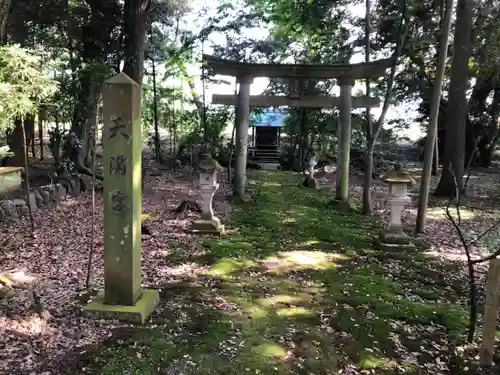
(393, 237)
(311, 164)
(208, 223)
(310, 181)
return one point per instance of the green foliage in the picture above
(23, 84)
(217, 120)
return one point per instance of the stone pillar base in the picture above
(394, 240)
(137, 313)
(207, 226)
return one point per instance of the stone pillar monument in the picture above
(242, 119)
(123, 297)
(208, 223)
(394, 238)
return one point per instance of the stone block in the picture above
(21, 207)
(75, 187)
(137, 313)
(33, 202)
(50, 190)
(211, 226)
(10, 179)
(9, 210)
(65, 182)
(394, 237)
(394, 241)
(38, 198)
(46, 198)
(85, 183)
(59, 192)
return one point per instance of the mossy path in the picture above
(297, 289)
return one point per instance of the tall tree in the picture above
(367, 199)
(372, 132)
(4, 15)
(457, 109)
(433, 123)
(98, 44)
(135, 25)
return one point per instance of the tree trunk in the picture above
(435, 164)
(41, 114)
(430, 142)
(367, 182)
(372, 131)
(98, 42)
(56, 151)
(33, 142)
(5, 6)
(27, 174)
(457, 109)
(15, 140)
(83, 115)
(91, 128)
(155, 116)
(135, 27)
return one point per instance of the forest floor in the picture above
(295, 287)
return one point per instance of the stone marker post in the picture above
(394, 238)
(123, 297)
(208, 223)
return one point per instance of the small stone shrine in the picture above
(123, 297)
(393, 237)
(208, 223)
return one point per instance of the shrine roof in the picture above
(222, 66)
(269, 117)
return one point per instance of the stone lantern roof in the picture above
(398, 176)
(208, 164)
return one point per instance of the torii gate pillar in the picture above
(242, 119)
(344, 135)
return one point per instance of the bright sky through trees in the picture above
(195, 22)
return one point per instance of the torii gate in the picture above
(346, 74)
(295, 100)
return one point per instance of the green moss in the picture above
(299, 289)
(137, 313)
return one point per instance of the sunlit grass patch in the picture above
(439, 213)
(228, 266)
(286, 261)
(280, 299)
